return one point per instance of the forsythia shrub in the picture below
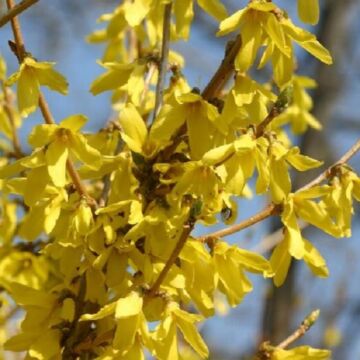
(95, 229)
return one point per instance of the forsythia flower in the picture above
(30, 76)
(61, 141)
(261, 24)
(96, 230)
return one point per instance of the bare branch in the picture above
(305, 326)
(16, 10)
(224, 71)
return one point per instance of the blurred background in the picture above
(56, 30)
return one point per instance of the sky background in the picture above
(55, 31)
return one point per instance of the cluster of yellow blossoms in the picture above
(113, 272)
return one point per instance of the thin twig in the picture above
(269, 118)
(174, 255)
(265, 213)
(271, 208)
(164, 58)
(43, 105)
(284, 99)
(343, 160)
(266, 349)
(16, 10)
(308, 322)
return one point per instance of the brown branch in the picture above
(174, 255)
(16, 10)
(224, 71)
(269, 118)
(272, 209)
(308, 322)
(284, 99)
(43, 105)
(164, 58)
(343, 160)
(266, 349)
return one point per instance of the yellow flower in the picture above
(61, 141)
(262, 23)
(165, 335)
(30, 76)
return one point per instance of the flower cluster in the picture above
(95, 229)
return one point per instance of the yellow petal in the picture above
(37, 180)
(192, 337)
(53, 80)
(136, 11)
(308, 41)
(283, 67)
(56, 157)
(293, 236)
(32, 224)
(314, 260)
(105, 311)
(184, 14)
(27, 296)
(68, 309)
(274, 29)
(129, 306)
(74, 122)
(309, 11)
(300, 353)
(214, 8)
(20, 342)
(83, 219)
(2, 68)
(27, 92)
(253, 262)
(42, 134)
(135, 132)
(231, 23)
(301, 162)
(280, 183)
(260, 6)
(47, 346)
(280, 261)
(13, 78)
(112, 79)
(251, 40)
(85, 153)
(125, 332)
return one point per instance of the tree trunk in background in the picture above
(334, 33)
